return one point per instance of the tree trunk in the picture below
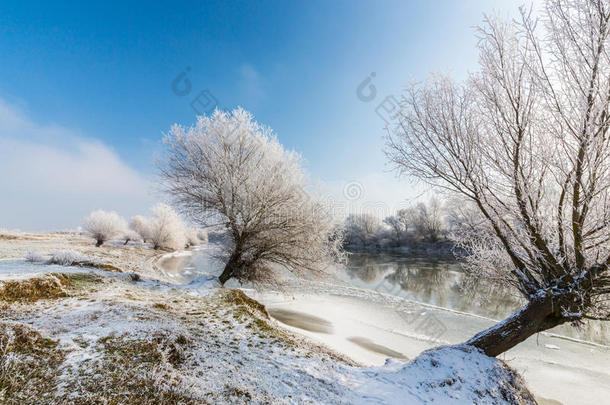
(230, 268)
(538, 315)
(99, 243)
(226, 274)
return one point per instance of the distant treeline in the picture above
(425, 227)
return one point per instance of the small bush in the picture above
(142, 226)
(33, 257)
(103, 226)
(71, 258)
(66, 258)
(168, 230)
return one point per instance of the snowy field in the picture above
(105, 336)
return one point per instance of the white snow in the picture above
(272, 373)
(267, 370)
(444, 375)
(19, 269)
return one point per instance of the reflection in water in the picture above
(174, 264)
(368, 344)
(302, 320)
(425, 279)
(440, 282)
(430, 280)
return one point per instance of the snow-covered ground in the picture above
(369, 327)
(110, 337)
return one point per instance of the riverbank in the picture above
(370, 327)
(363, 315)
(80, 335)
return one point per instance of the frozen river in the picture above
(389, 306)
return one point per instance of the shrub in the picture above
(131, 236)
(167, 229)
(66, 258)
(33, 289)
(142, 226)
(103, 226)
(33, 257)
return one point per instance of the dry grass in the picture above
(15, 337)
(29, 365)
(5, 236)
(239, 299)
(52, 285)
(161, 306)
(135, 371)
(100, 266)
(161, 348)
(82, 281)
(34, 289)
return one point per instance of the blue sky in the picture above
(86, 89)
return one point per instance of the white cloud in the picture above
(51, 176)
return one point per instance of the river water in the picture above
(383, 306)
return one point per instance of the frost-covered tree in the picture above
(130, 236)
(231, 171)
(395, 225)
(526, 141)
(406, 217)
(103, 226)
(428, 220)
(142, 226)
(167, 230)
(401, 224)
(192, 237)
(463, 217)
(361, 229)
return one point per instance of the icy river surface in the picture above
(394, 306)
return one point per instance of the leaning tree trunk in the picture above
(538, 315)
(230, 268)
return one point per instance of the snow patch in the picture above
(446, 375)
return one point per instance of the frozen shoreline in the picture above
(554, 367)
(367, 325)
